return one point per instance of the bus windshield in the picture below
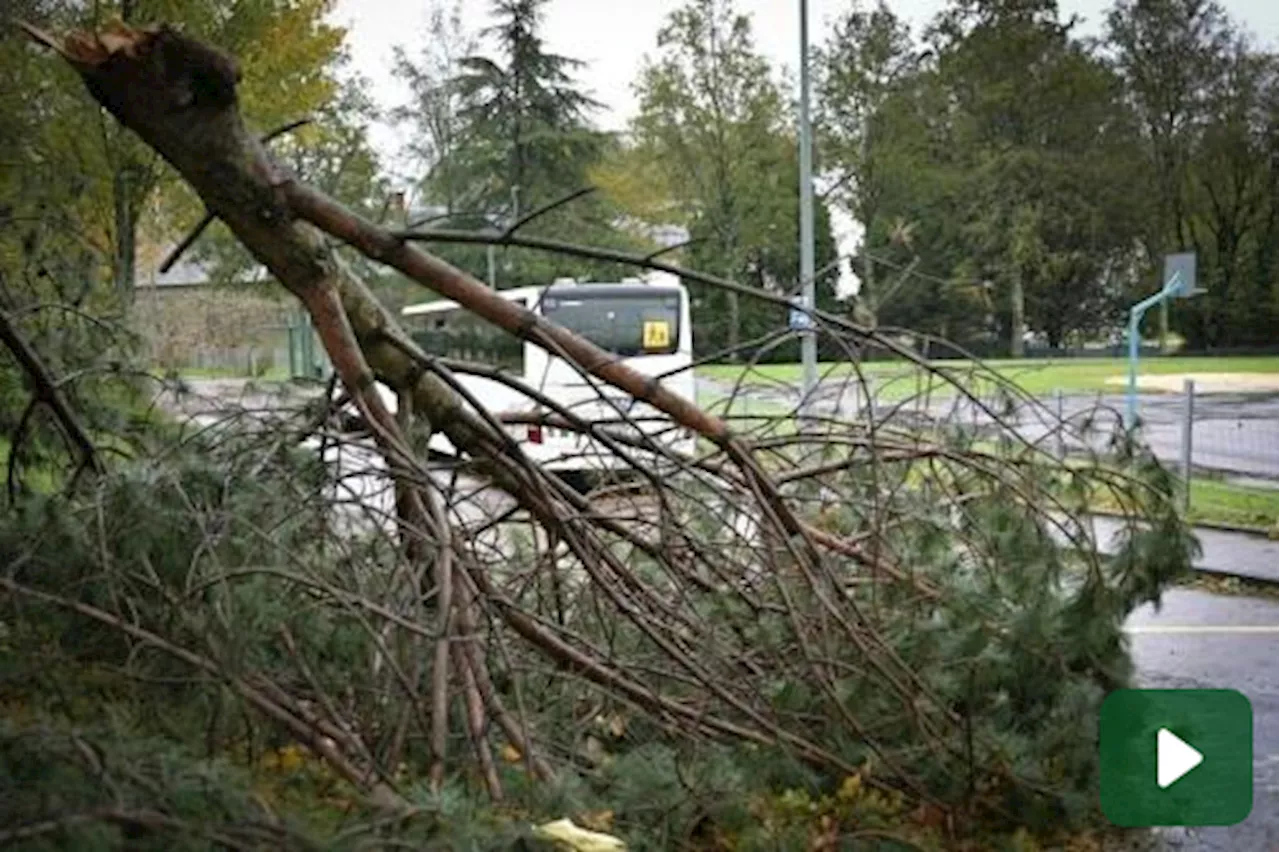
(626, 324)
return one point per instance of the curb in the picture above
(1227, 572)
(1255, 532)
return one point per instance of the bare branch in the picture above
(545, 209)
(654, 255)
(47, 392)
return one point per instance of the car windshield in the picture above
(624, 324)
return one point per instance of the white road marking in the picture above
(1202, 628)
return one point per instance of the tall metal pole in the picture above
(1188, 433)
(808, 340)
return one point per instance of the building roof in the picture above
(189, 272)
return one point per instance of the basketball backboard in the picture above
(1182, 268)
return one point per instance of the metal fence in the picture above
(248, 361)
(292, 349)
(1231, 436)
(1223, 444)
(268, 356)
(307, 358)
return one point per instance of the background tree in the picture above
(526, 134)
(1233, 203)
(864, 62)
(1202, 94)
(436, 104)
(1037, 136)
(502, 132)
(1056, 168)
(713, 122)
(1166, 51)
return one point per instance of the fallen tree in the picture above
(899, 611)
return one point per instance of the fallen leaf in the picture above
(570, 836)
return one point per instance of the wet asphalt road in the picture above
(1202, 641)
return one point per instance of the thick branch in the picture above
(207, 219)
(179, 96)
(46, 390)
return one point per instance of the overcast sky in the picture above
(613, 36)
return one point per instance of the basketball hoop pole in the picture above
(1135, 337)
(1180, 284)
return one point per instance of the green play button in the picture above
(1176, 757)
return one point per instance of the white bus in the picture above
(644, 321)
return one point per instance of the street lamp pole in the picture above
(808, 340)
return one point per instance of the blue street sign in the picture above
(799, 319)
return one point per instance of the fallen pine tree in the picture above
(902, 634)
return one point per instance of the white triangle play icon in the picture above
(1174, 758)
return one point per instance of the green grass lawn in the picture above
(897, 379)
(1213, 501)
(1216, 502)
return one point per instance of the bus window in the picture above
(626, 324)
(463, 336)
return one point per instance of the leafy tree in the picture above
(1166, 51)
(888, 141)
(434, 111)
(864, 63)
(1205, 98)
(1233, 192)
(107, 186)
(526, 134)
(712, 125)
(1032, 180)
(1039, 138)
